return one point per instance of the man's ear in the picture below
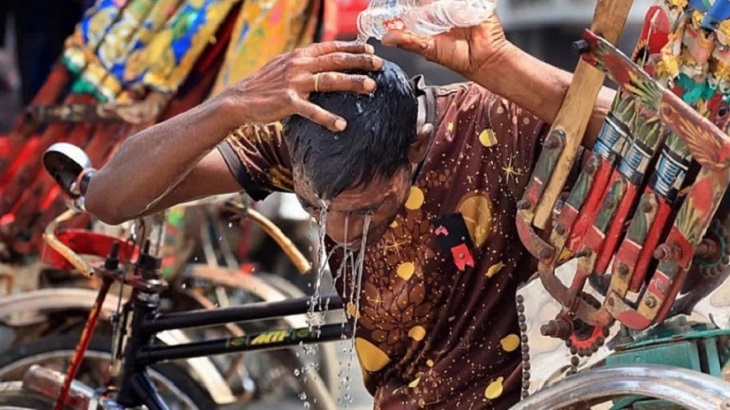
(418, 149)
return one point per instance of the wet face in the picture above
(382, 198)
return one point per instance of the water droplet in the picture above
(296, 372)
(303, 396)
(306, 405)
(230, 224)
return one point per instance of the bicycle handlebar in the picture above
(50, 237)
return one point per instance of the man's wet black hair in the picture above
(380, 129)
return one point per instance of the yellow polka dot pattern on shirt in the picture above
(494, 389)
(414, 383)
(487, 138)
(370, 356)
(510, 343)
(476, 209)
(406, 270)
(415, 199)
(494, 269)
(417, 333)
(352, 310)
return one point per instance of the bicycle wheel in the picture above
(14, 397)
(685, 388)
(178, 389)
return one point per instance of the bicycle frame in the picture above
(141, 319)
(136, 388)
(140, 316)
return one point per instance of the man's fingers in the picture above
(328, 47)
(409, 42)
(317, 114)
(340, 61)
(395, 38)
(339, 82)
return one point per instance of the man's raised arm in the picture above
(175, 161)
(483, 55)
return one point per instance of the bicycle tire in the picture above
(14, 397)
(683, 387)
(176, 375)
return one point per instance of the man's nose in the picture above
(345, 228)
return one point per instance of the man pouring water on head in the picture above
(419, 182)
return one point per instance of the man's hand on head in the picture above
(282, 87)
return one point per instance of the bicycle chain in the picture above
(525, 348)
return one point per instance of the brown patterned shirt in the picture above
(437, 321)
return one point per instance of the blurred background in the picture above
(32, 35)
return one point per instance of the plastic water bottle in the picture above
(424, 17)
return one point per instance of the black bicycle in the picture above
(134, 348)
